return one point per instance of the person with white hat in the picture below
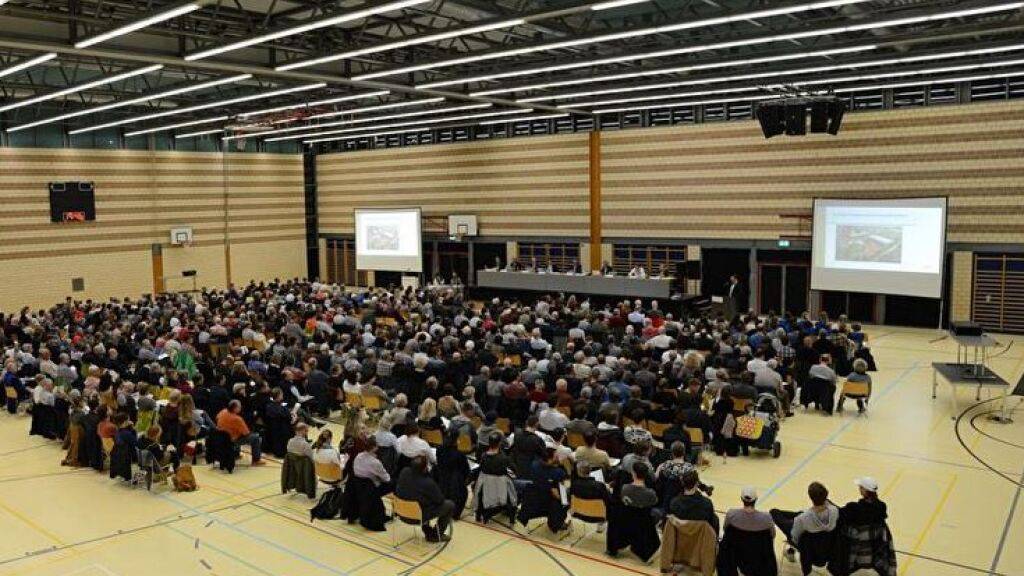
(749, 518)
(869, 509)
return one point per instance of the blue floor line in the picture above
(835, 435)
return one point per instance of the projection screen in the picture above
(880, 246)
(389, 240)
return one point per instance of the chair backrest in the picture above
(11, 392)
(432, 436)
(476, 421)
(503, 424)
(590, 510)
(565, 410)
(108, 444)
(856, 388)
(696, 436)
(741, 404)
(657, 429)
(372, 403)
(464, 443)
(354, 400)
(574, 440)
(408, 511)
(328, 472)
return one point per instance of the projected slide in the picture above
(880, 246)
(388, 240)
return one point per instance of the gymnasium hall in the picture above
(511, 287)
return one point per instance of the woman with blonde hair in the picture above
(428, 417)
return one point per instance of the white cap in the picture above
(748, 494)
(868, 483)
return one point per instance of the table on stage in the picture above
(969, 371)
(576, 283)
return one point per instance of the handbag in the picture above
(749, 427)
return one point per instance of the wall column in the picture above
(595, 199)
(158, 268)
(961, 291)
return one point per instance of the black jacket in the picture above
(413, 485)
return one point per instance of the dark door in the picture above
(796, 289)
(453, 260)
(770, 294)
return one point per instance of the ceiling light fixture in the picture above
(206, 106)
(200, 133)
(724, 45)
(81, 87)
(132, 101)
(363, 120)
(609, 37)
(25, 64)
(139, 24)
(675, 70)
(324, 23)
(615, 4)
(402, 44)
(314, 104)
(179, 125)
(790, 72)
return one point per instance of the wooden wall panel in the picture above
(727, 181)
(140, 196)
(515, 187)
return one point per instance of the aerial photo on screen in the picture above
(855, 243)
(382, 237)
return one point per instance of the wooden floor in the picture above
(950, 514)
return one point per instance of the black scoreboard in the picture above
(72, 202)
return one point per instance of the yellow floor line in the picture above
(893, 483)
(931, 522)
(32, 523)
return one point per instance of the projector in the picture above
(965, 328)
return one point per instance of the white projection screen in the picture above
(880, 246)
(389, 240)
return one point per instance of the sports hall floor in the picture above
(950, 515)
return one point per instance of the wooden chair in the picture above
(697, 443)
(370, 403)
(503, 424)
(354, 400)
(434, 437)
(657, 429)
(856, 391)
(108, 446)
(741, 405)
(464, 444)
(565, 410)
(587, 511)
(328, 473)
(476, 421)
(409, 513)
(574, 440)
(13, 404)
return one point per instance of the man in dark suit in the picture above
(415, 483)
(736, 301)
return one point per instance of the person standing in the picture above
(735, 297)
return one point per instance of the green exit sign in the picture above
(783, 243)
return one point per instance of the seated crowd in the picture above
(554, 409)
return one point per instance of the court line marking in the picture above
(220, 551)
(476, 557)
(931, 522)
(258, 538)
(898, 454)
(835, 435)
(1006, 526)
